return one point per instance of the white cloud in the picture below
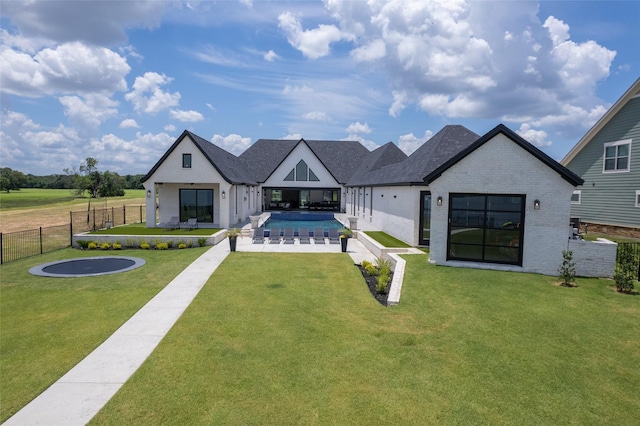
(129, 123)
(536, 137)
(358, 128)
(170, 128)
(233, 143)
(271, 56)
(158, 100)
(69, 68)
(409, 143)
(90, 111)
(369, 144)
(186, 116)
(292, 136)
(317, 116)
(314, 43)
(372, 51)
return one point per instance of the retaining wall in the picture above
(594, 258)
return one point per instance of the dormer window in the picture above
(186, 161)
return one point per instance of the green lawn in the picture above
(47, 325)
(386, 240)
(297, 339)
(141, 229)
(36, 197)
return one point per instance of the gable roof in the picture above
(231, 168)
(340, 158)
(565, 173)
(412, 170)
(633, 91)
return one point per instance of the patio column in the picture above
(150, 203)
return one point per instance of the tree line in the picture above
(84, 179)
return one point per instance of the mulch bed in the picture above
(372, 281)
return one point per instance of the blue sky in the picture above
(121, 80)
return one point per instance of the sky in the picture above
(119, 81)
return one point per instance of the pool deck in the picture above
(78, 395)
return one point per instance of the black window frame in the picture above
(186, 161)
(481, 216)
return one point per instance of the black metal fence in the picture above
(634, 248)
(21, 244)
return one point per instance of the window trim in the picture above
(579, 193)
(604, 156)
(184, 163)
(638, 198)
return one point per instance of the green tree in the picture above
(111, 185)
(11, 180)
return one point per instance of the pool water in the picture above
(296, 224)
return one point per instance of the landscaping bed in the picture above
(372, 284)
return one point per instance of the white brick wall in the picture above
(501, 167)
(594, 258)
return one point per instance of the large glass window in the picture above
(425, 219)
(196, 203)
(486, 228)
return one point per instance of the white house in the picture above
(494, 201)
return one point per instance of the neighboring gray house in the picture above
(494, 201)
(608, 159)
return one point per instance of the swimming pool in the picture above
(302, 220)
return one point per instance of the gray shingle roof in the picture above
(433, 153)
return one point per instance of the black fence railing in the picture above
(634, 248)
(21, 244)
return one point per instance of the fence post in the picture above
(113, 217)
(141, 213)
(124, 214)
(1, 251)
(40, 232)
(94, 218)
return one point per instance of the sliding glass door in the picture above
(196, 203)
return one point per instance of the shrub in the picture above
(625, 271)
(162, 246)
(117, 246)
(170, 244)
(383, 280)
(567, 269)
(144, 246)
(372, 270)
(202, 242)
(130, 243)
(384, 265)
(189, 243)
(365, 263)
(182, 246)
(92, 246)
(105, 246)
(83, 243)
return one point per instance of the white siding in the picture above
(501, 167)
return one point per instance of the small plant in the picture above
(346, 233)
(117, 246)
(182, 246)
(162, 246)
(233, 233)
(383, 280)
(567, 269)
(83, 243)
(105, 246)
(144, 246)
(130, 243)
(170, 244)
(384, 265)
(371, 270)
(365, 263)
(202, 242)
(92, 246)
(625, 271)
(189, 244)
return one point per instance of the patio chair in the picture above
(334, 236)
(174, 223)
(288, 236)
(303, 236)
(258, 236)
(274, 236)
(318, 236)
(191, 223)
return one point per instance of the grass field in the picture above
(268, 343)
(386, 240)
(141, 229)
(33, 208)
(47, 325)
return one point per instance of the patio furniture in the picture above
(174, 223)
(303, 236)
(258, 236)
(274, 235)
(191, 223)
(288, 236)
(318, 236)
(334, 236)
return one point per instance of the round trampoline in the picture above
(87, 266)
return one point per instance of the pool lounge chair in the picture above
(303, 236)
(191, 223)
(334, 237)
(258, 236)
(318, 236)
(288, 236)
(174, 223)
(274, 236)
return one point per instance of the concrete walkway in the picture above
(86, 388)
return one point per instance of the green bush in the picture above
(625, 271)
(130, 243)
(144, 246)
(202, 242)
(383, 280)
(365, 263)
(92, 246)
(189, 243)
(567, 269)
(117, 246)
(83, 243)
(105, 246)
(170, 244)
(384, 265)
(371, 270)
(182, 246)
(162, 246)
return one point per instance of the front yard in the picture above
(298, 339)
